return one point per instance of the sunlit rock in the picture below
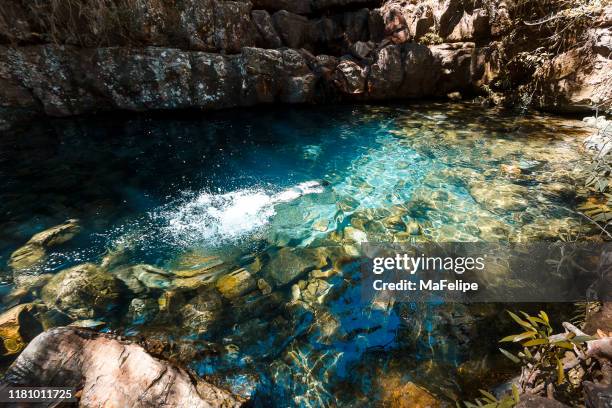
(33, 253)
(27, 256)
(110, 372)
(18, 326)
(398, 394)
(500, 197)
(201, 311)
(236, 283)
(83, 291)
(142, 310)
(289, 263)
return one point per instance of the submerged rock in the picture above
(499, 197)
(18, 326)
(236, 283)
(34, 252)
(83, 291)
(201, 311)
(406, 395)
(289, 263)
(110, 372)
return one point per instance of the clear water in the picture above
(242, 185)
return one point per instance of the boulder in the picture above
(265, 27)
(575, 81)
(292, 28)
(56, 235)
(18, 326)
(233, 28)
(110, 372)
(350, 77)
(201, 311)
(386, 73)
(33, 253)
(289, 263)
(236, 283)
(361, 49)
(83, 291)
(407, 395)
(319, 5)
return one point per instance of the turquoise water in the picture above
(274, 191)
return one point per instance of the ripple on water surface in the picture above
(237, 233)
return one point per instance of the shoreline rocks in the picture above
(109, 371)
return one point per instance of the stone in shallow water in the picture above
(18, 326)
(201, 311)
(152, 277)
(236, 283)
(33, 253)
(26, 257)
(398, 394)
(289, 263)
(56, 235)
(83, 291)
(499, 197)
(314, 290)
(142, 310)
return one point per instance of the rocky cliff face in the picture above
(79, 56)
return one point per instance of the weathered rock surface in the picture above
(289, 263)
(166, 55)
(18, 326)
(110, 372)
(69, 80)
(34, 251)
(83, 291)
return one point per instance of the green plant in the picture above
(551, 364)
(489, 400)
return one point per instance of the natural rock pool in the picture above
(234, 236)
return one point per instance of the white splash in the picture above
(215, 218)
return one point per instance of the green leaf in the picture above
(535, 342)
(511, 356)
(564, 344)
(508, 338)
(535, 320)
(544, 317)
(488, 396)
(521, 321)
(560, 373)
(515, 393)
(524, 336)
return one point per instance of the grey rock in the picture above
(109, 371)
(265, 27)
(83, 291)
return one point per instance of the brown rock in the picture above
(350, 77)
(292, 28)
(18, 326)
(236, 283)
(267, 32)
(293, 6)
(83, 291)
(408, 395)
(110, 372)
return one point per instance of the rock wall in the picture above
(76, 56)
